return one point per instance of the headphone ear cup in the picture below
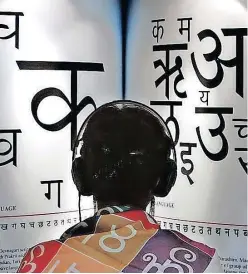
(79, 178)
(167, 179)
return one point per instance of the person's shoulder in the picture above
(206, 256)
(38, 256)
(198, 245)
(44, 246)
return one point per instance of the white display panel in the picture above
(209, 200)
(68, 50)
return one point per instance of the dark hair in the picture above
(124, 151)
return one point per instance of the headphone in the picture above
(166, 179)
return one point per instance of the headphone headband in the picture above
(122, 104)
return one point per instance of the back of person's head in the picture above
(124, 151)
